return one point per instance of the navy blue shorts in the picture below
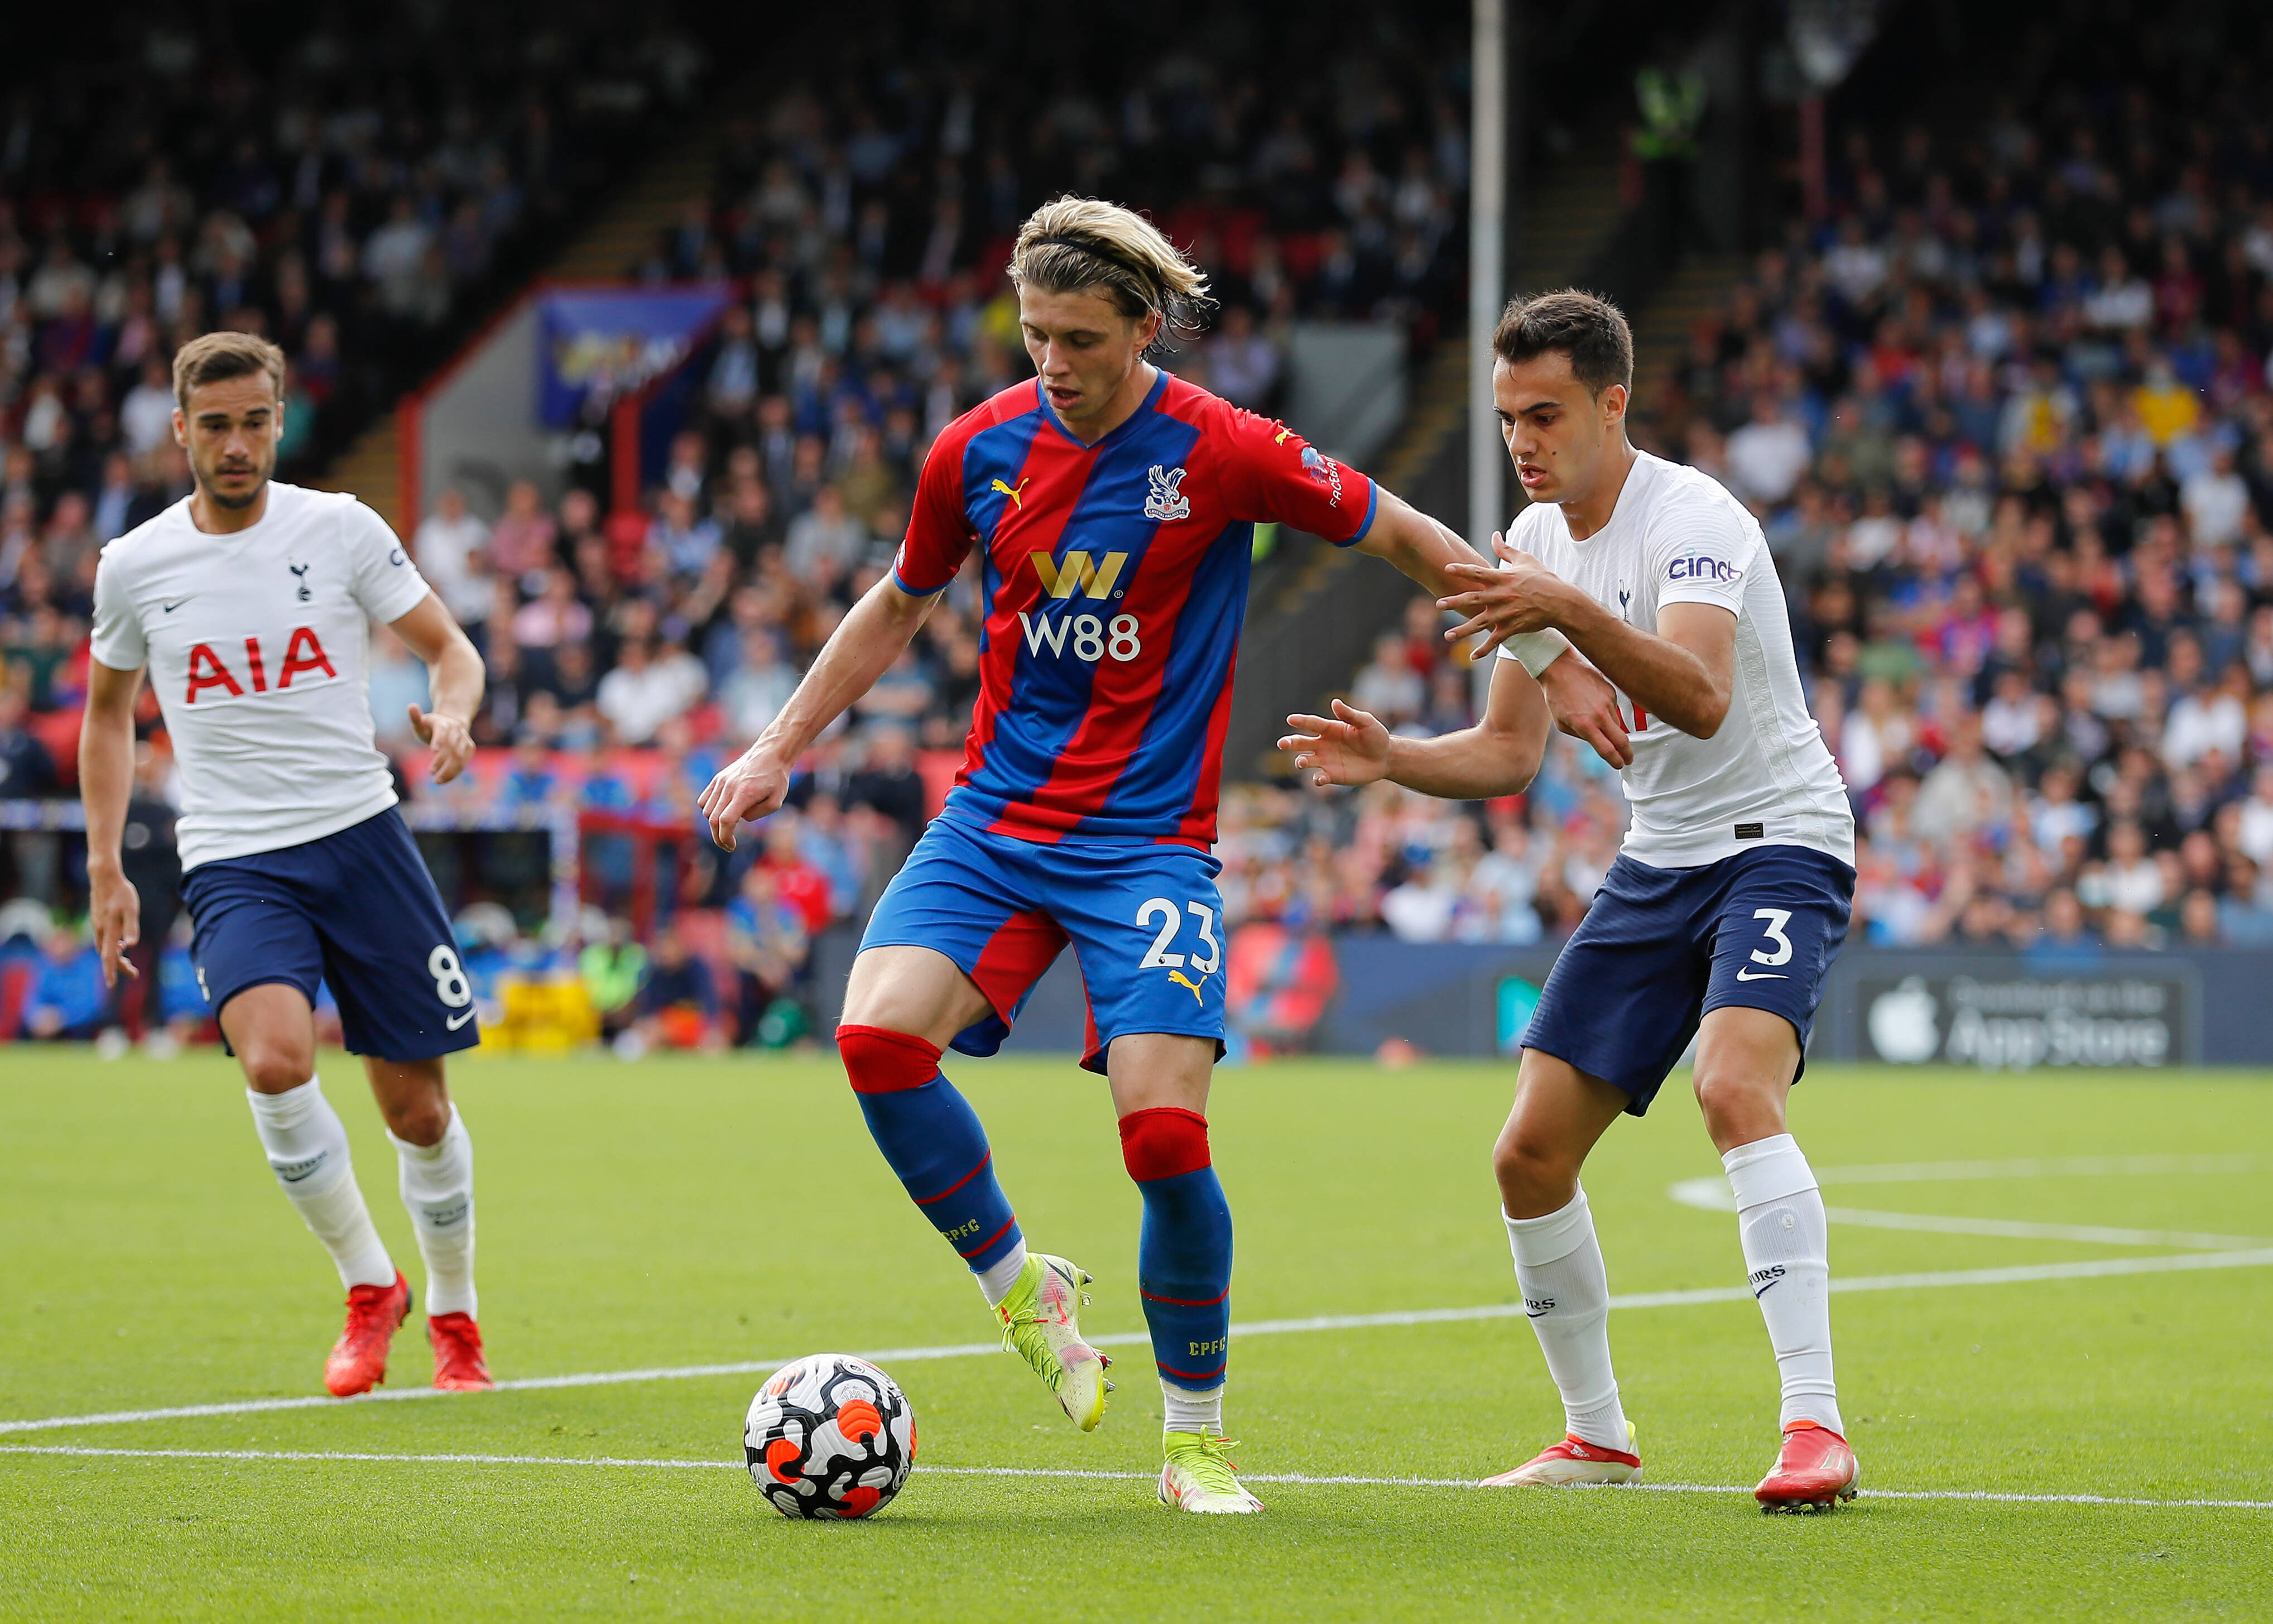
(356, 910)
(1662, 948)
(1144, 919)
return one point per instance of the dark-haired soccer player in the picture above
(1724, 909)
(250, 603)
(1113, 505)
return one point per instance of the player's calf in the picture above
(1183, 1253)
(936, 1144)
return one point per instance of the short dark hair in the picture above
(1585, 327)
(215, 357)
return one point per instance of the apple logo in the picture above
(1903, 1027)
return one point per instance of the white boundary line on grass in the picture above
(1301, 1479)
(2087, 1269)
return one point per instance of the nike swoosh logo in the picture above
(1754, 975)
(456, 1021)
(176, 604)
(1764, 1291)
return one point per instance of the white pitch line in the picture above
(2017, 1274)
(1299, 1479)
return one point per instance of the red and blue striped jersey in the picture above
(1115, 580)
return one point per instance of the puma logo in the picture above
(1181, 979)
(1013, 492)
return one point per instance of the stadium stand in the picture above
(2004, 414)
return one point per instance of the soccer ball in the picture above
(829, 1436)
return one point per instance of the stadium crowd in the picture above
(2003, 414)
(2003, 417)
(331, 192)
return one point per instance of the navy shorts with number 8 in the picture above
(357, 909)
(1662, 948)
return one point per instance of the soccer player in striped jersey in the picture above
(1112, 509)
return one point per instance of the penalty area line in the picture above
(2021, 1274)
(1295, 1479)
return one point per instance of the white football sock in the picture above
(438, 1189)
(995, 1282)
(1558, 1264)
(307, 1146)
(1788, 1253)
(1183, 1410)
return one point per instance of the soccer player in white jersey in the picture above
(1726, 905)
(250, 604)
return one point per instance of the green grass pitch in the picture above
(692, 1212)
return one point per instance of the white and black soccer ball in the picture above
(829, 1436)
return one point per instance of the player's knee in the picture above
(1534, 1177)
(272, 1066)
(418, 1122)
(1739, 1105)
(878, 1060)
(1163, 1142)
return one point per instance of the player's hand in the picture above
(115, 909)
(1585, 706)
(1522, 598)
(752, 787)
(1350, 746)
(452, 744)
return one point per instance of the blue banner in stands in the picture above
(609, 341)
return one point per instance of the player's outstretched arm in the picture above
(106, 779)
(860, 650)
(1683, 673)
(1499, 756)
(453, 682)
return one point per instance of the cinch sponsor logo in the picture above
(1077, 574)
(302, 651)
(1698, 567)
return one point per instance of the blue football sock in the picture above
(933, 1141)
(1183, 1273)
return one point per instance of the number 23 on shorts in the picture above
(1168, 916)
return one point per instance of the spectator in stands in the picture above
(452, 548)
(678, 1001)
(654, 683)
(825, 542)
(522, 546)
(766, 939)
(1768, 455)
(26, 770)
(1390, 688)
(66, 1001)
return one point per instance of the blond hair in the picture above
(1076, 244)
(215, 357)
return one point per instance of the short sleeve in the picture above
(1699, 550)
(1271, 474)
(385, 582)
(939, 529)
(117, 641)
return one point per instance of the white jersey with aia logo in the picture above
(259, 644)
(1764, 777)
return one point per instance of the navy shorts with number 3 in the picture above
(1662, 948)
(1145, 919)
(357, 909)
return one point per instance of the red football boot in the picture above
(358, 1361)
(458, 1364)
(1574, 1460)
(1813, 1471)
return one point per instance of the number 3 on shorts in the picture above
(1777, 919)
(450, 983)
(1158, 956)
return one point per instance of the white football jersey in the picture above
(1765, 778)
(259, 647)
